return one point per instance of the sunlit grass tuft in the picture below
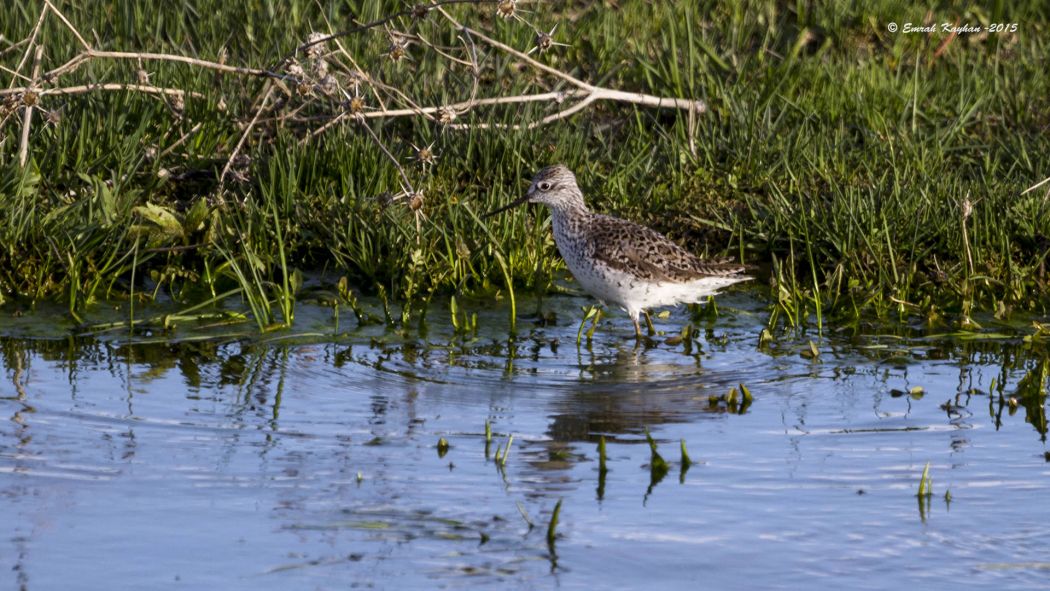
(874, 173)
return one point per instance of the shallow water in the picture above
(312, 461)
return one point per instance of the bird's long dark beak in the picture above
(510, 205)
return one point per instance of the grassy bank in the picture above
(876, 172)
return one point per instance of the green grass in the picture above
(837, 152)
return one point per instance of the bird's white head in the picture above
(554, 186)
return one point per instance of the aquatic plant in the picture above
(925, 483)
(552, 526)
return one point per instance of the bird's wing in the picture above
(645, 253)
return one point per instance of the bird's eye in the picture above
(544, 186)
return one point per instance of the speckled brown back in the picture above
(647, 254)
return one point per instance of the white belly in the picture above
(633, 294)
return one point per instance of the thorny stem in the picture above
(69, 25)
(582, 93)
(143, 88)
(27, 114)
(240, 143)
(382, 146)
(434, 4)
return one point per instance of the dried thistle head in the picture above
(545, 41)
(419, 11)
(425, 156)
(178, 104)
(54, 117)
(507, 9)
(316, 44)
(446, 115)
(142, 76)
(30, 98)
(967, 207)
(397, 50)
(295, 70)
(356, 104)
(415, 201)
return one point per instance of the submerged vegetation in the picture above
(874, 172)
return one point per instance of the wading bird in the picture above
(620, 262)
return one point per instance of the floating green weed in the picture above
(925, 483)
(603, 469)
(594, 314)
(658, 466)
(811, 352)
(746, 393)
(503, 452)
(685, 456)
(734, 401)
(686, 463)
(552, 527)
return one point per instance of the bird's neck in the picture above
(569, 208)
(569, 218)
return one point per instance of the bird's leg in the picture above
(637, 328)
(649, 323)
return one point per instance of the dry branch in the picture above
(314, 89)
(29, 100)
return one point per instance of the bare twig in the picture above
(520, 55)
(320, 130)
(27, 114)
(475, 69)
(83, 88)
(181, 140)
(382, 146)
(240, 143)
(306, 87)
(1036, 186)
(432, 5)
(31, 41)
(598, 92)
(69, 25)
(186, 60)
(462, 107)
(13, 46)
(16, 74)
